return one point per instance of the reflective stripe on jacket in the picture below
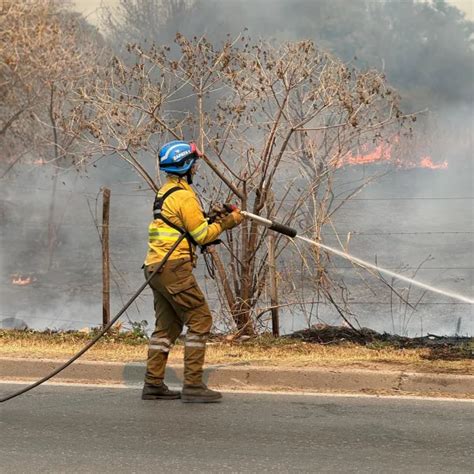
(182, 208)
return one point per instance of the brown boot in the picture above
(199, 394)
(159, 392)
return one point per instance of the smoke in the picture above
(65, 291)
(425, 49)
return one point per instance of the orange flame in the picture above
(21, 281)
(379, 154)
(383, 153)
(427, 162)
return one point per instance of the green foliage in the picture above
(139, 329)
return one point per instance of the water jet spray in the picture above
(290, 232)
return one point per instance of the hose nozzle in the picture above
(280, 228)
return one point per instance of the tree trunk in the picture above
(52, 228)
(240, 313)
(243, 319)
(273, 284)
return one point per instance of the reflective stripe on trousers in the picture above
(195, 340)
(162, 344)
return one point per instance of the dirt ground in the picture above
(326, 346)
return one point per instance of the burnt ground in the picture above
(440, 347)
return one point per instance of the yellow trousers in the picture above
(178, 301)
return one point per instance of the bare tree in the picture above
(47, 54)
(264, 112)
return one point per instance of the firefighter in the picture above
(178, 299)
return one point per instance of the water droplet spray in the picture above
(282, 229)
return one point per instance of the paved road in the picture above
(89, 429)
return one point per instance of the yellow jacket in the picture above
(182, 208)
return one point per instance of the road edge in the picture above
(254, 378)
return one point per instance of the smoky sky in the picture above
(425, 51)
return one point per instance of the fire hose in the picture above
(104, 329)
(271, 225)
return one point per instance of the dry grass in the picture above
(261, 351)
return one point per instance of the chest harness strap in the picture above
(157, 208)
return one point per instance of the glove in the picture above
(216, 213)
(231, 220)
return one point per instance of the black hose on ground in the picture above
(102, 332)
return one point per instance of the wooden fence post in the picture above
(105, 258)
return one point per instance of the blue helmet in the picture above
(177, 157)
